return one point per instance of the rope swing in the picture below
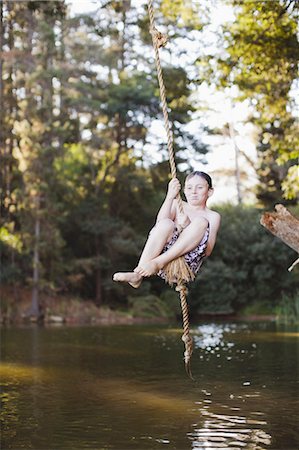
(176, 271)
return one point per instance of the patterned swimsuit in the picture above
(195, 257)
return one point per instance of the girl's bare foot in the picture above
(133, 278)
(149, 268)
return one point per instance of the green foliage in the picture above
(288, 308)
(133, 94)
(259, 308)
(290, 186)
(77, 188)
(182, 13)
(261, 59)
(248, 265)
(12, 240)
(150, 306)
(172, 302)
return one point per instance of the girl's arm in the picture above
(168, 208)
(214, 222)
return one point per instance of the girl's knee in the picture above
(163, 226)
(166, 224)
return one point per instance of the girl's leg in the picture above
(158, 237)
(188, 240)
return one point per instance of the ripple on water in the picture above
(211, 337)
(229, 431)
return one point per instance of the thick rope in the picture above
(160, 40)
(176, 271)
(186, 338)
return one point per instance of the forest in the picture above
(84, 164)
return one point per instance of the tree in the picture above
(30, 126)
(261, 57)
(81, 95)
(117, 111)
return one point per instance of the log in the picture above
(283, 225)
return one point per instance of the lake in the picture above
(125, 387)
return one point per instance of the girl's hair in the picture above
(202, 175)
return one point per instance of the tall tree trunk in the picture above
(237, 167)
(1, 76)
(125, 7)
(99, 296)
(35, 307)
(1, 120)
(2, 139)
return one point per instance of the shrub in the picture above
(248, 265)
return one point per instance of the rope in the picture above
(186, 338)
(178, 266)
(160, 40)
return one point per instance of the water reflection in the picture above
(229, 431)
(221, 341)
(215, 336)
(210, 337)
(125, 388)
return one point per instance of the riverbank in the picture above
(58, 309)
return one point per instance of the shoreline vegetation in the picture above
(64, 310)
(85, 168)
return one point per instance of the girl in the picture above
(198, 223)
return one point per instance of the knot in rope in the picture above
(187, 339)
(182, 289)
(159, 38)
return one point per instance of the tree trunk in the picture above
(35, 307)
(1, 109)
(98, 274)
(283, 225)
(237, 168)
(1, 73)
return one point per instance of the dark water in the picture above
(124, 387)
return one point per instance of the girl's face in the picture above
(197, 190)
